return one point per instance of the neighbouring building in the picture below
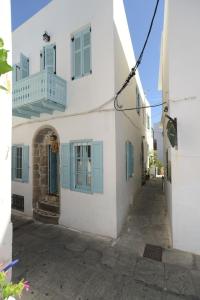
(5, 144)
(179, 80)
(158, 141)
(76, 161)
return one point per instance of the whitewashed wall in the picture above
(129, 125)
(5, 133)
(158, 136)
(98, 213)
(182, 74)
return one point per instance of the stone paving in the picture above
(69, 265)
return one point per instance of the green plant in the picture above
(4, 66)
(9, 289)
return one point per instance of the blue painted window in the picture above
(82, 166)
(48, 59)
(82, 169)
(20, 163)
(138, 101)
(81, 53)
(129, 160)
(16, 74)
(24, 66)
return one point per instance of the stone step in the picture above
(44, 216)
(47, 206)
(54, 199)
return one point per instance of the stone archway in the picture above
(46, 202)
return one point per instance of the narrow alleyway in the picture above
(147, 222)
(69, 265)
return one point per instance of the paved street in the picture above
(67, 265)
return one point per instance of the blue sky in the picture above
(139, 14)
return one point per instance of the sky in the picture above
(139, 14)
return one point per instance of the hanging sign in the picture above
(172, 131)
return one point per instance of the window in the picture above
(19, 163)
(81, 53)
(48, 59)
(137, 100)
(129, 160)
(83, 166)
(148, 122)
(21, 70)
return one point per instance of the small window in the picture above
(129, 160)
(19, 163)
(83, 166)
(81, 53)
(138, 101)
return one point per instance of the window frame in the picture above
(83, 188)
(138, 100)
(73, 35)
(129, 159)
(16, 169)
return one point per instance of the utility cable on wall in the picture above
(133, 71)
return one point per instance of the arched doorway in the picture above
(46, 202)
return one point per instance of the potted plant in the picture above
(9, 290)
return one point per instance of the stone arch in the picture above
(46, 205)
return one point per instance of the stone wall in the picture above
(40, 165)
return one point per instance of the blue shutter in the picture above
(14, 74)
(14, 161)
(130, 159)
(133, 165)
(24, 66)
(77, 55)
(25, 163)
(127, 160)
(65, 166)
(42, 60)
(50, 58)
(86, 51)
(97, 167)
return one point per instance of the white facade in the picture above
(89, 114)
(158, 139)
(5, 131)
(181, 90)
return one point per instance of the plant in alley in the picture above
(4, 66)
(9, 290)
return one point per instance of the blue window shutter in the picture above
(86, 51)
(97, 167)
(65, 166)
(133, 154)
(127, 160)
(14, 161)
(77, 55)
(42, 60)
(50, 59)
(14, 74)
(25, 163)
(24, 66)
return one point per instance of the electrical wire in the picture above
(138, 62)
(137, 108)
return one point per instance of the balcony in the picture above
(39, 93)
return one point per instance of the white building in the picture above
(76, 156)
(180, 65)
(158, 140)
(5, 149)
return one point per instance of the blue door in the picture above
(53, 172)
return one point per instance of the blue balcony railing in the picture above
(39, 93)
